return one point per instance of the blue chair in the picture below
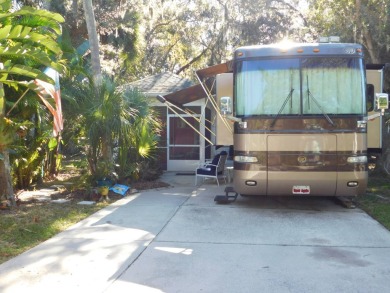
(213, 169)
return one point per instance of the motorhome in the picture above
(296, 116)
(300, 119)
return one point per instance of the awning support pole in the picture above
(171, 106)
(214, 104)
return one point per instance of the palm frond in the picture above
(5, 5)
(26, 36)
(29, 52)
(33, 17)
(25, 71)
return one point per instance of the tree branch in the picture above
(185, 67)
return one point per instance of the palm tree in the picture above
(27, 41)
(116, 123)
(102, 113)
(137, 150)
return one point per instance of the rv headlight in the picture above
(245, 159)
(357, 159)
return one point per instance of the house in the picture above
(188, 137)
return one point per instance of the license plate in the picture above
(301, 189)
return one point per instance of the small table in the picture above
(229, 171)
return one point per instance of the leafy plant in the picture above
(119, 126)
(27, 43)
(7, 134)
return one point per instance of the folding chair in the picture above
(214, 169)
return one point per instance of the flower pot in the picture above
(103, 190)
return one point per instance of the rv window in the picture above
(262, 87)
(336, 83)
(312, 86)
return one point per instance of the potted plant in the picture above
(103, 179)
(103, 190)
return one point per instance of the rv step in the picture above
(226, 198)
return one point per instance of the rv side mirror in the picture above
(382, 101)
(226, 106)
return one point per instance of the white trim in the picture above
(181, 165)
(186, 165)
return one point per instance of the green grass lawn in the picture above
(32, 222)
(28, 225)
(377, 200)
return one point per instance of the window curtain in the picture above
(332, 91)
(265, 91)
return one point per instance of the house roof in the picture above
(189, 94)
(161, 84)
(197, 92)
(178, 90)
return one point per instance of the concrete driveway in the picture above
(178, 240)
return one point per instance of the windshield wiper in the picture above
(310, 95)
(284, 105)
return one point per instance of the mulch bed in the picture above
(82, 194)
(92, 195)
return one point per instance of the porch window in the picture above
(183, 140)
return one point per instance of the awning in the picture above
(214, 70)
(196, 92)
(185, 96)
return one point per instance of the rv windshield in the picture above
(306, 86)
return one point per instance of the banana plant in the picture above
(27, 45)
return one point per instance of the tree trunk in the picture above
(369, 42)
(75, 9)
(6, 188)
(93, 41)
(107, 151)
